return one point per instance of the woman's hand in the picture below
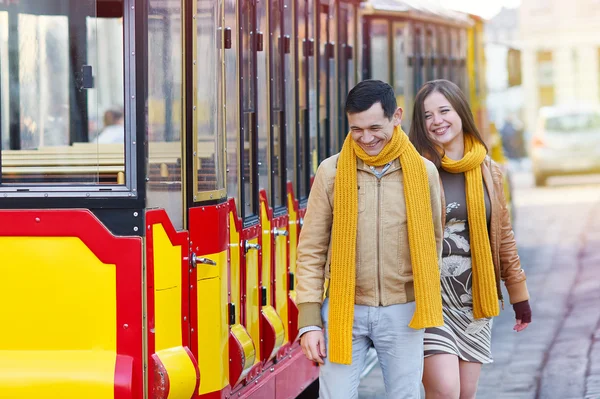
(522, 315)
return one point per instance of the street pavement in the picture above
(558, 355)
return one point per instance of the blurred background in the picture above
(543, 95)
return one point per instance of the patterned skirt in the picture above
(461, 334)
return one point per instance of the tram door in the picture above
(419, 57)
(328, 141)
(346, 70)
(305, 47)
(403, 71)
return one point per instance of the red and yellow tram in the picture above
(156, 158)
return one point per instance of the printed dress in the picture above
(461, 334)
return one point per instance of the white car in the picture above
(566, 142)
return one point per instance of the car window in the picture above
(574, 122)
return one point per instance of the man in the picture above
(373, 229)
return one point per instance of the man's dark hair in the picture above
(368, 92)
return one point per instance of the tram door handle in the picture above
(87, 77)
(248, 246)
(277, 232)
(201, 260)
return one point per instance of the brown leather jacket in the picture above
(502, 239)
(383, 265)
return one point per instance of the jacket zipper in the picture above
(378, 241)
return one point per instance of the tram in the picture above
(156, 158)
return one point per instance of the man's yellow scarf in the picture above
(421, 236)
(485, 296)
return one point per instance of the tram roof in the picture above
(418, 9)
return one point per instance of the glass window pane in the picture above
(164, 187)
(332, 102)
(4, 141)
(210, 148)
(290, 103)
(64, 121)
(106, 99)
(380, 62)
(323, 82)
(454, 55)
(248, 122)
(44, 80)
(442, 40)
(232, 105)
(464, 84)
(312, 94)
(431, 55)
(264, 164)
(303, 44)
(277, 121)
(352, 43)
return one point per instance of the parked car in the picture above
(566, 142)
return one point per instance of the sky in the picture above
(484, 8)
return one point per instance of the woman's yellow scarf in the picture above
(485, 296)
(423, 253)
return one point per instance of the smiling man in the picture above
(373, 230)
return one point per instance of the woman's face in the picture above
(444, 125)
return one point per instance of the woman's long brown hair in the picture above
(418, 129)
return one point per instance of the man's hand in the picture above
(313, 346)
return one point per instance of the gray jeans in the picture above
(399, 349)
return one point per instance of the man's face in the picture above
(371, 129)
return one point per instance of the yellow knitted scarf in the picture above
(485, 296)
(421, 236)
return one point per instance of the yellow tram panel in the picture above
(213, 331)
(64, 328)
(281, 277)
(168, 311)
(252, 299)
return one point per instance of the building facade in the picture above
(560, 58)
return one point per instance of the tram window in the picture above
(380, 50)
(323, 61)
(62, 109)
(164, 188)
(290, 103)
(442, 40)
(464, 83)
(248, 116)
(4, 137)
(313, 101)
(344, 59)
(210, 146)
(403, 72)
(262, 91)
(334, 139)
(232, 107)
(454, 57)
(400, 62)
(277, 105)
(303, 48)
(431, 55)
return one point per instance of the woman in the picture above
(479, 245)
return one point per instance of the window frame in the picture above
(134, 127)
(220, 193)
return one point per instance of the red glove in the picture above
(522, 311)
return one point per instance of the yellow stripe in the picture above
(167, 303)
(213, 329)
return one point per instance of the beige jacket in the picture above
(383, 265)
(502, 239)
